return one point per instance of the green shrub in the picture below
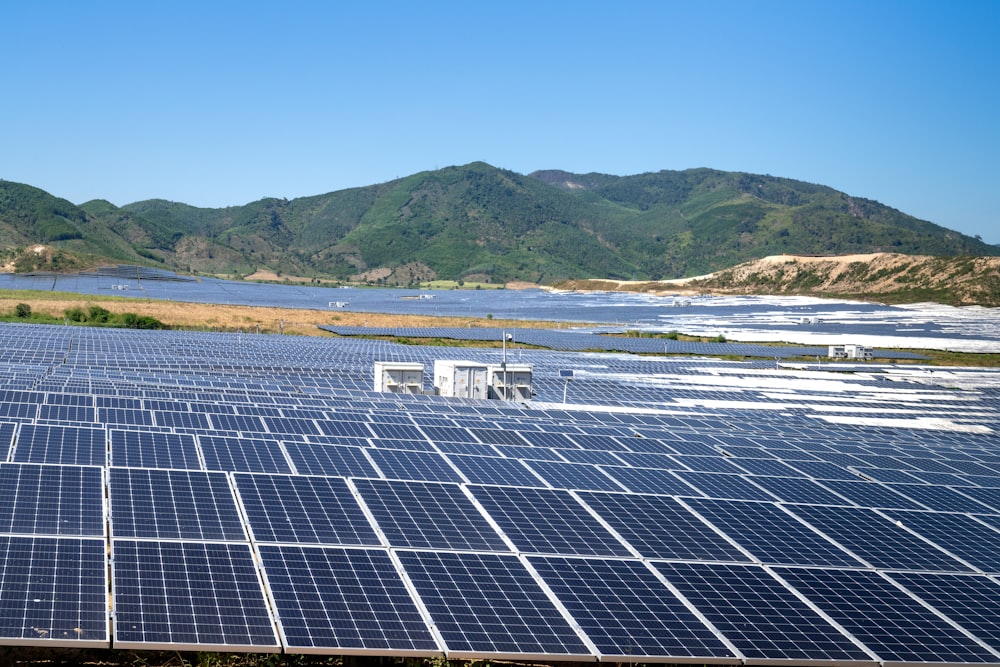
(98, 315)
(22, 310)
(75, 314)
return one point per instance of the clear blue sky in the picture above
(222, 103)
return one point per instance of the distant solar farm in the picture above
(255, 493)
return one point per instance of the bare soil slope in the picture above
(887, 277)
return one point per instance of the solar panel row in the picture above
(245, 493)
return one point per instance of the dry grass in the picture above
(303, 322)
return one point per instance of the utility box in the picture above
(850, 352)
(460, 379)
(510, 382)
(399, 377)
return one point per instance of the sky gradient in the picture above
(223, 103)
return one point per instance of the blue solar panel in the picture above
(970, 600)
(428, 515)
(53, 591)
(579, 476)
(300, 509)
(547, 521)
(771, 534)
(316, 459)
(490, 604)
(720, 485)
(416, 466)
(627, 612)
(891, 623)
(154, 449)
(659, 527)
(189, 595)
(243, 454)
(173, 504)
(495, 470)
(876, 539)
(51, 500)
(343, 600)
(758, 615)
(74, 445)
(959, 535)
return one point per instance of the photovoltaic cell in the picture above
(770, 534)
(243, 454)
(972, 601)
(758, 615)
(428, 515)
(173, 504)
(489, 604)
(154, 449)
(659, 527)
(799, 490)
(189, 595)
(72, 445)
(53, 591)
(871, 494)
(495, 470)
(51, 500)
(338, 460)
(301, 509)
(876, 539)
(887, 620)
(416, 466)
(579, 476)
(720, 485)
(348, 600)
(626, 611)
(959, 535)
(648, 480)
(547, 521)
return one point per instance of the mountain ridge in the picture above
(476, 222)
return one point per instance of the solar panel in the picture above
(495, 470)
(659, 527)
(578, 476)
(490, 604)
(759, 616)
(243, 454)
(970, 600)
(72, 445)
(154, 449)
(51, 500)
(547, 521)
(300, 509)
(416, 466)
(627, 612)
(343, 600)
(428, 515)
(959, 535)
(189, 596)
(173, 504)
(770, 534)
(316, 459)
(877, 540)
(720, 485)
(53, 592)
(891, 623)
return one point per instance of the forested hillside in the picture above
(477, 222)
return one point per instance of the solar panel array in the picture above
(578, 341)
(179, 490)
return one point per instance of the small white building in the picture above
(862, 352)
(461, 379)
(399, 377)
(510, 382)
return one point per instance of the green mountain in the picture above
(477, 222)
